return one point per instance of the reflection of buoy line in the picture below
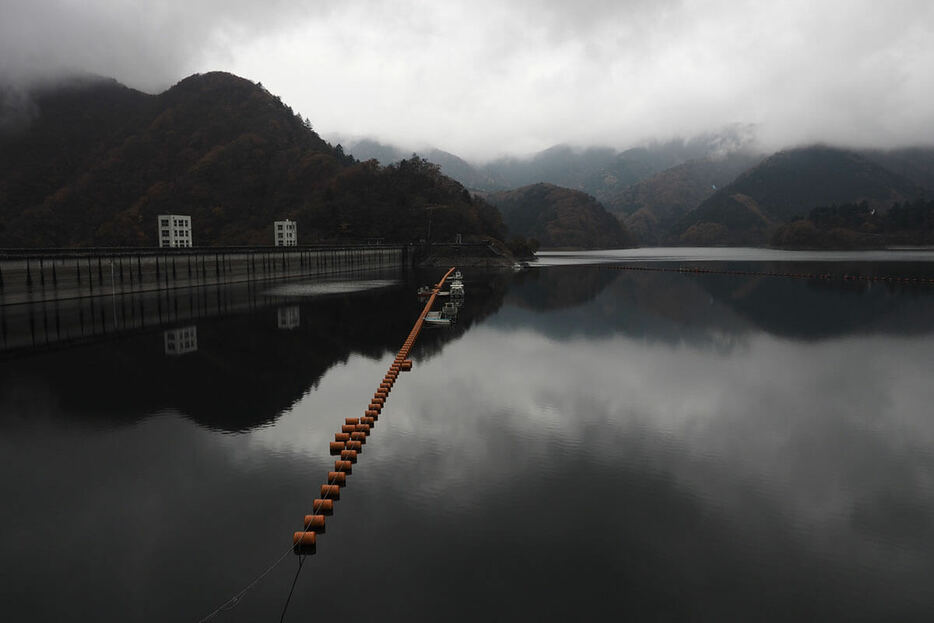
(348, 444)
(350, 441)
(762, 273)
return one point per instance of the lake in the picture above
(584, 442)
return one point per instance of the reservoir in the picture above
(583, 442)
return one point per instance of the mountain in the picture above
(787, 185)
(560, 217)
(99, 161)
(370, 149)
(651, 207)
(913, 163)
(603, 172)
(858, 226)
(451, 165)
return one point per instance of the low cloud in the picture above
(484, 78)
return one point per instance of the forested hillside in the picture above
(99, 161)
(560, 217)
(786, 186)
(652, 207)
(859, 226)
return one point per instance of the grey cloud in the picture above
(147, 45)
(484, 78)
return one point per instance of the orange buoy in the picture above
(407, 365)
(314, 522)
(376, 400)
(374, 406)
(355, 445)
(382, 394)
(349, 455)
(304, 542)
(371, 413)
(322, 507)
(343, 466)
(338, 478)
(369, 421)
(351, 420)
(348, 428)
(385, 385)
(363, 428)
(358, 437)
(337, 446)
(341, 436)
(331, 491)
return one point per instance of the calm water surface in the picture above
(584, 443)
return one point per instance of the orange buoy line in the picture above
(349, 442)
(753, 273)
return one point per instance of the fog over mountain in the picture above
(482, 79)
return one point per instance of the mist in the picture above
(482, 78)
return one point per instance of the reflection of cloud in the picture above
(322, 288)
(808, 434)
(813, 427)
(779, 468)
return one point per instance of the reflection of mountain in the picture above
(543, 290)
(245, 371)
(823, 309)
(714, 309)
(599, 302)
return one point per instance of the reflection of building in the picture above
(174, 230)
(289, 317)
(285, 233)
(181, 341)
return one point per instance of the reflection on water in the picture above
(582, 443)
(180, 341)
(321, 288)
(289, 317)
(731, 254)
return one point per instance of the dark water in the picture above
(584, 443)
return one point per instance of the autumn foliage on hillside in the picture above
(858, 226)
(560, 217)
(99, 161)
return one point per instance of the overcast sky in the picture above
(483, 77)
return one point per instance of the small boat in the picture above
(458, 276)
(433, 318)
(457, 288)
(424, 291)
(449, 310)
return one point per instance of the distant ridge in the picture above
(787, 185)
(651, 207)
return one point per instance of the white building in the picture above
(285, 233)
(181, 341)
(174, 230)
